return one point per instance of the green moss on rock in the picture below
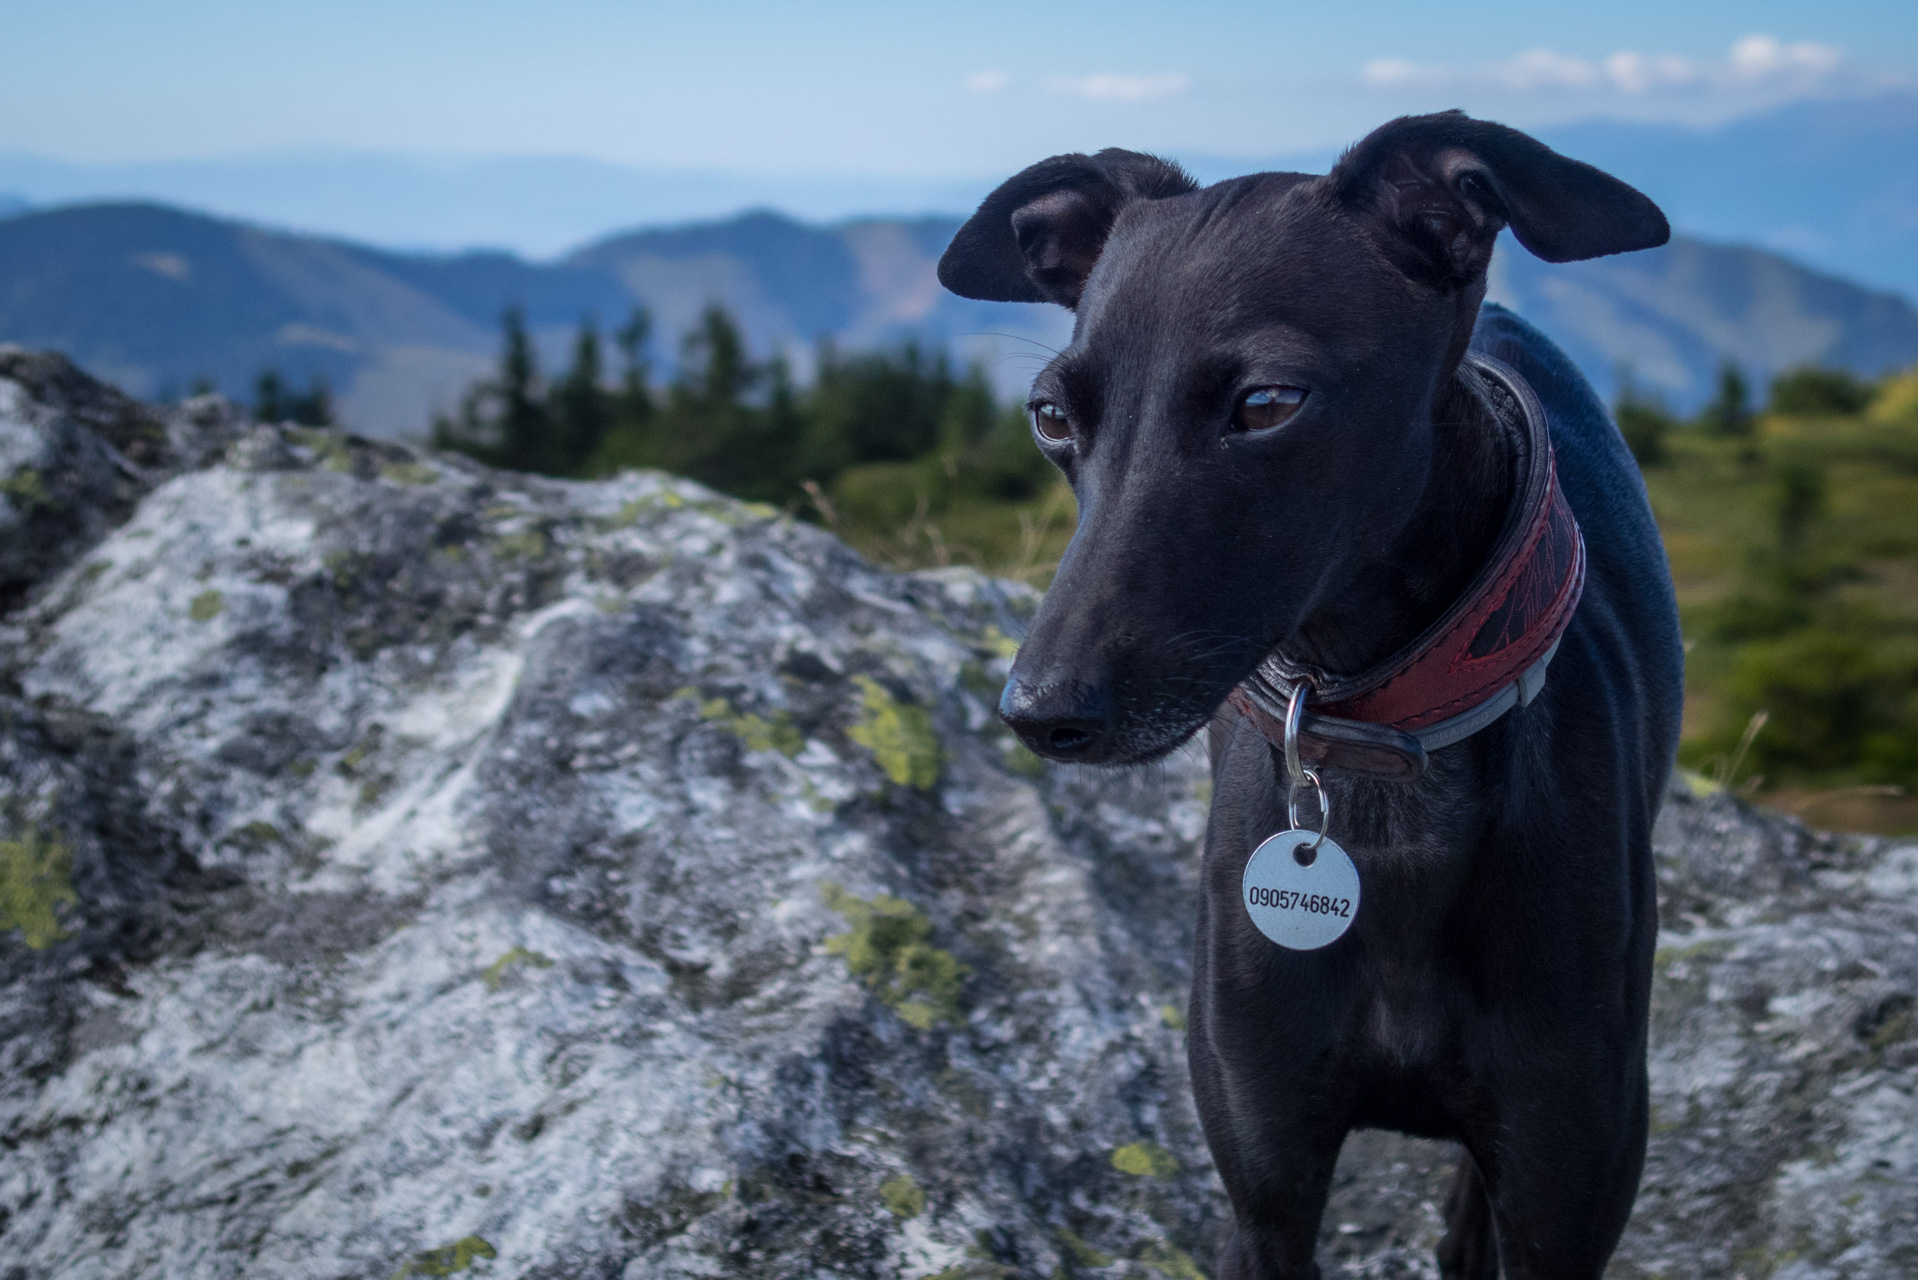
(755, 733)
(494, 974)
(206, 606)
(1170, 1261)
(900, 736)
(27, 491)
(335, 454)
(527, 544)
(903, 1195)
(1081, 1253)
(409, 472)
(889, 948)
(35, 882)
(448, 1259)
(1145, 1160)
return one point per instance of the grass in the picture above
(1021, 540)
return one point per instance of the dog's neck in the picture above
(1388, 601)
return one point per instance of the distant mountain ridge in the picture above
(153, 298)
(1832, 183)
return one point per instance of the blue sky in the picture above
(887, 89)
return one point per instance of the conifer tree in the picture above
(267, 397)
(635, 404)
(706, 431)
(631, 438)
(525, 428)
(274, 401)
(1730, 412)
(581, 411)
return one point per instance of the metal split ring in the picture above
(1298, 775)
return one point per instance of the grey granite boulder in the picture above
(413, 869)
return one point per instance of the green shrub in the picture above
(1799, 499)
(1837, 702)
(1730, 411)
(1643, 420)
(1809, 391)
(1645, 426)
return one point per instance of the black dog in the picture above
(1294, 463)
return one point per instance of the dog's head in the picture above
(1245, 411)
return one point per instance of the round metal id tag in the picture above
(1301, 906)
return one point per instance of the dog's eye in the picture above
(1264, 408)
(1050, 421)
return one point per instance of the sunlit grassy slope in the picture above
(1795, 554)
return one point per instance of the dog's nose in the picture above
(1063, 721)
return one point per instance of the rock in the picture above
(413, 869)
(75, 456)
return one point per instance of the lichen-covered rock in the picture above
(413, 869)
(75, 456)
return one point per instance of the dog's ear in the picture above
(1440, 188)
(1035, 238)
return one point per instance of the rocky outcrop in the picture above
(413, 869)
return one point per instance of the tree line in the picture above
(1807, 391)
(740, 424)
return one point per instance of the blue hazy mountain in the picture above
(1672, 315)
(154, 298)
(1832, 184)
(536, 206)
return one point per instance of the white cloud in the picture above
(1753, 62)
(1387, 72)
(987, 81)
(1546, 69)
(1634, 72)
(1766, 57)
(1118, 88)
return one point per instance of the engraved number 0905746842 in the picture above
(1291, 900)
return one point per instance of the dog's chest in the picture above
(1400, 1018)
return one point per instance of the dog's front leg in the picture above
(1274, 1125)
(1276, 1160)
(1273, 1238)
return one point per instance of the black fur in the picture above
(1494, 986)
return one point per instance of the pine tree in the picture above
(581, 411)
(635, 403)
(707, 421)
(267, 394)
(525, 428)
(1730, 412)
(314, 406)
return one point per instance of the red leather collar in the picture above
(1485, 654)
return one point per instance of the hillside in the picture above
(1673, 314)
(155, 298)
